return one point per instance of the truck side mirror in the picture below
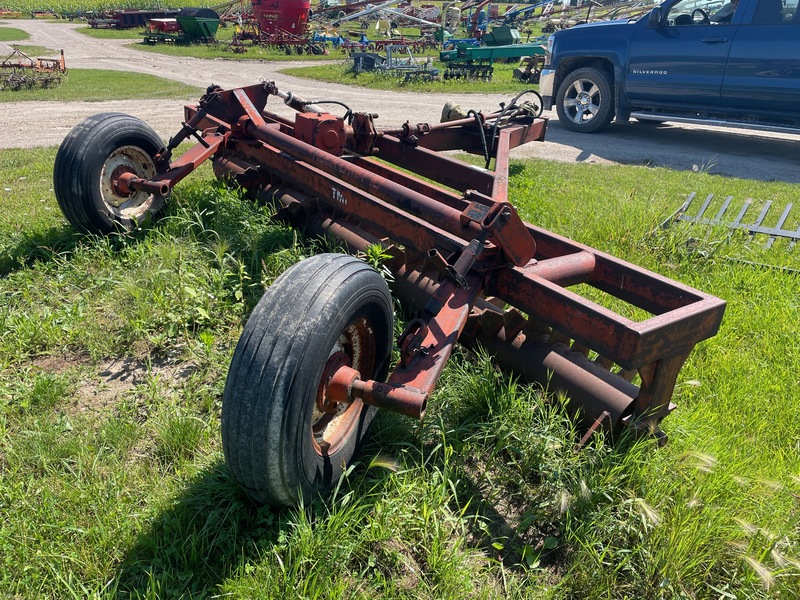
(654, 20)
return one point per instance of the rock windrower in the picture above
(314, 360)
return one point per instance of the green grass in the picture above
(110, 33)
(36, 51)
(113, 359)
(223, 50)
(93, 85)
(11, 34)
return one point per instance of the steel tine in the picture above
(722, 209)
(680, 214)
(795, 238)
(742, 212)
(703, 208)
(781, 221)
(753, 229)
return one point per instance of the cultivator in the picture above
(419, 45)
(314, 359)
(19, 71)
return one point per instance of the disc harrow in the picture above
(314, 361)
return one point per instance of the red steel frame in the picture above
(462, 254)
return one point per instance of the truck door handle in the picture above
(714, 40)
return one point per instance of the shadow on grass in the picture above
(517, 547)
(515, 168)
(38, 248)
(194, 545)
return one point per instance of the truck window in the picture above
(701, 12)
(776, 12)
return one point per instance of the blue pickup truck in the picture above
(708, 61)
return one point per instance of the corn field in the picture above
(67, 9)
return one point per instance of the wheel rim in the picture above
(582, 101)
(354, 348)
(127, 159)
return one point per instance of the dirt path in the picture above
(83, 52)
(734, 152)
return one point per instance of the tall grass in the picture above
(113, 359)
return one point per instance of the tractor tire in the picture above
(279, 444)
(585, 100)
(84, 165)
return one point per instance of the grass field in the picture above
(91, 85)
(113, 358)
(12, 34)
(103, 33)
(34, 51)
(223, 50)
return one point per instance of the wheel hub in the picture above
(335, 409)
(126, 160)
(119, 184)
(336, 380)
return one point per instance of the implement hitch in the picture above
(314, 359)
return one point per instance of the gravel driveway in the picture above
(736, 152)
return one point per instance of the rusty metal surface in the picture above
(460, 253)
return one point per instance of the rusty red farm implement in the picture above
(313, 362)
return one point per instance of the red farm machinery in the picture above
(314, 361)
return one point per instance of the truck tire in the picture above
(585, 100)
(279, 443)
(85, 163)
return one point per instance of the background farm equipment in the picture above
(529, 69)
(19, 71)
(278, 16)
(398, 62)
(418, 45)
(336, 41)
(351, 46)
(128, 19)
(452, 44)
(291, 43)
(477, 62)
(189, 26)
(283, 41)
(315, 358)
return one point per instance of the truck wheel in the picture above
(585, 101)
(89, 156)
(323, 312)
